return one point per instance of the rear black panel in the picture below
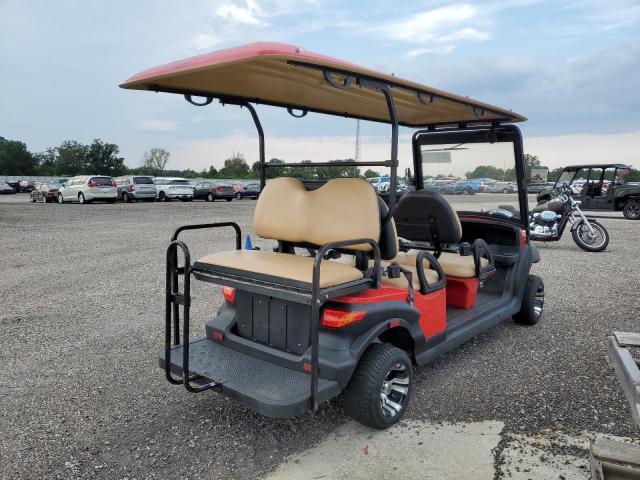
(274, 322)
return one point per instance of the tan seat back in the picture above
(342, 209)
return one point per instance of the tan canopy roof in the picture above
(288, 76)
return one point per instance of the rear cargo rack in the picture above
(627, 368)
(313, 296)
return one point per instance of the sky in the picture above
(571, 67)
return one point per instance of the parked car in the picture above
(464, 188)
(483, 183)
(250, 190)
(211, 191)
(503, 187)
(6, 189)
(15, 186)
(27, 186)
(45, 192)
(381, 184)
(86, 189)
(170, 188)
(136, 188)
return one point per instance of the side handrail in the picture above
(315, 301)
(481, 250)
(425, 286)
(173, 299)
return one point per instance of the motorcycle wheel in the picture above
(587, 241)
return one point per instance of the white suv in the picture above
(87, 189)
(168, 188)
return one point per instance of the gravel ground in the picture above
(82, 323)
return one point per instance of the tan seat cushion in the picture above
(295, 268)
(341, 209)
(430, 275)
(453, 264)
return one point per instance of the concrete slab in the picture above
(412, 450)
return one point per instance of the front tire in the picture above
(631, 211)
(532, 302)
(162, 197)
(210, 197)
(587, 241)
(60, 199)
(239, 196)
(378, 392)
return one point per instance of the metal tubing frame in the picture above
(316, 303)
(173, 300)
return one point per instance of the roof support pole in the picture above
(393, 119)
(256, 121)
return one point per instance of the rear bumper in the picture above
(626, 367)
(178, 195)
(142, 195)
(265, 387)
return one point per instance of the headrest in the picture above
(419, 213)
(341, 209)
(388, 238)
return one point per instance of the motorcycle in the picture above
(548, 220)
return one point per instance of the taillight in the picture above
(523, 239)
(52, 190)
(229, 294)
(219, 189)
(113, 185)
(92, 185)
(133, 187)
(341, 318)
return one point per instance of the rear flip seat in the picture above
(342, 209)
(426, 216)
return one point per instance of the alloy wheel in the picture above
(394, 391)
(538, 303)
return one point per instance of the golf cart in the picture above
(356, 291)
(599, 187)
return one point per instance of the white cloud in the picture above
(248, 14)
(455, 22)
(416, 52)
(204, 41)
(158, 125)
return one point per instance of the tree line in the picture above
(102, 158)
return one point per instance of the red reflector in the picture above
(394, 323)
(307, 367)
(340, 318)
(229, 294)
(92, 185)
(523, 239)
(218, 336)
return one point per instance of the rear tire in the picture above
(60, 199)
(378, 392)
(33, 199)
(532, 302)
(162, 197)
(81, 199)
(631, 211)
(210, 197)
(239, 196)
(125, 197)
